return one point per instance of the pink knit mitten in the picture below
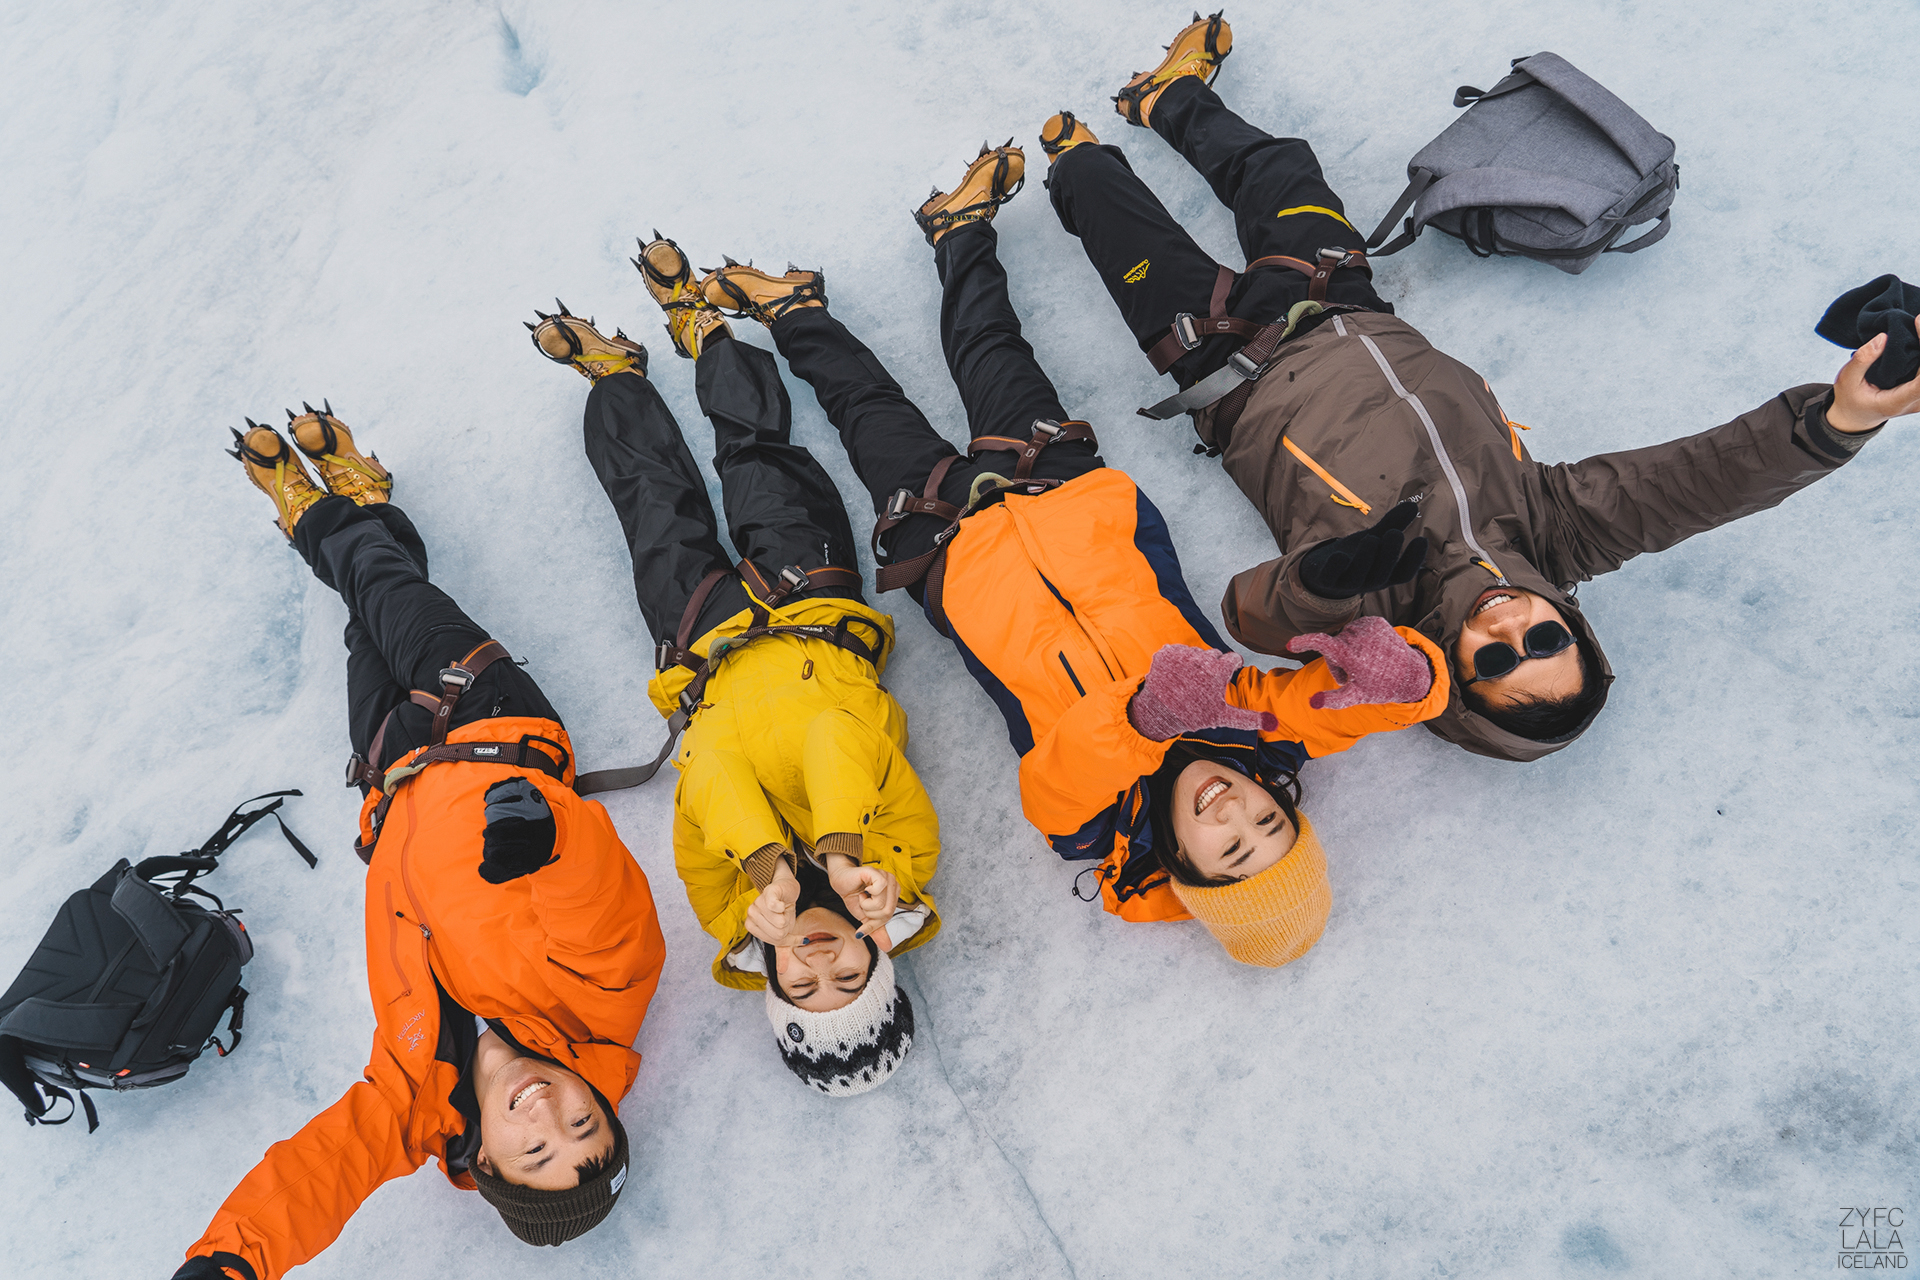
(1371, 662)
(1185, 690)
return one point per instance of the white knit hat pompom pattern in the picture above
(847, 1051)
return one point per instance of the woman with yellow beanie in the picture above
(1057, 580)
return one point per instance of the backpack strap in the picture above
(1654, 236)
(34, 1095)
(1418, 181)
(151, 916)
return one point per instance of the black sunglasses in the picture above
(1543, 640)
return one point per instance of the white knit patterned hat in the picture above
(846, 1051)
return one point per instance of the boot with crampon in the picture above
(692, 321)
(994, 177)
(748, 291)
(343, 468)
(565, 338)
(1062, 133)
(275, 470)
(1198, 50)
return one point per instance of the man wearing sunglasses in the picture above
(1393, 482)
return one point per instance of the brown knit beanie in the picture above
(555, 1217)
(1273, 917)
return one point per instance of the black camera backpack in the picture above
(130, 982)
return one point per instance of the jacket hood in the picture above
(1461, 724)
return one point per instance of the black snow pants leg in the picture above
(1153, 269)
(782, 508)
(888, 439)
(401, 629)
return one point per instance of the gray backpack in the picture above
(1546, 164)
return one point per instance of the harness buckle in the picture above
(1184, 331)
(1046, 427)
(357, 770)
(898, 503)
(455, 680)
(1340, 257)
(664, 655)
(1247, 369)
(796, 578)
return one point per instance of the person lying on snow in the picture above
(1142, 746)
(512, 944)
(1363, 446)
(802, 834)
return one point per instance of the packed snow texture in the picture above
(1645, 1007)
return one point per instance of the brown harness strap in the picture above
(454, 681)
(932, 567)
(891, 577)
(1187, 331)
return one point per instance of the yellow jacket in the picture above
(794, 739)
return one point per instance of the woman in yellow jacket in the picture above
(802, 834)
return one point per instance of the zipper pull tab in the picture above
(426, 933)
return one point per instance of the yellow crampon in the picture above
(343, 469)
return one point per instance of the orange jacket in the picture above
(567, 957)
(1058, 602)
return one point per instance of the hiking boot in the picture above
(275, 470)
(1062, 133)
(1198, 50)
(748, 291)
(691, 319)
(343, 468)
(994, 177)
(567, 339)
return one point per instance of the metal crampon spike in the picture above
(236, 436)
(251, 424)
(656, 236)
(543, 315)
(326, 406)
(728, 260)
(291, 415)
(562, 306)
(309, 408)
(531, 327)
(1196, 18)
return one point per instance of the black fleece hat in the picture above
(555, 1217)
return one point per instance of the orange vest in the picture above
(1058, 602)
(567, 957)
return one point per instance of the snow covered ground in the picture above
(1646, 1007)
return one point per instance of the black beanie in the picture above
(555, 1217)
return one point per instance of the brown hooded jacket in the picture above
(1362, 412)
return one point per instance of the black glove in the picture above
(207, 1267)
(520, 831)
(1366, 561)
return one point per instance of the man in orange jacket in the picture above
(512, 945)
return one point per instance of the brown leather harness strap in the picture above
(891, 577)
(1187, 331)
(932, 566)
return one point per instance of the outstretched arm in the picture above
(1334, 701)
(1609, 508)
(299, 1197)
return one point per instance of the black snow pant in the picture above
(782, 508)
(402, 631)
(1281, 205)
(890, 442)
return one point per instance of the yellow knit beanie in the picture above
(1273, 917)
